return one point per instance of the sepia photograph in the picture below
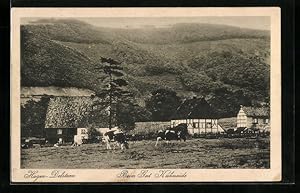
(153, 97)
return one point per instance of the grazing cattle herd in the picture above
(117, 138)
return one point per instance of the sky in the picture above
(252, 22)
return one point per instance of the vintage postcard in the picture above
(145, 95)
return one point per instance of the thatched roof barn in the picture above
(72, 112)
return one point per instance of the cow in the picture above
(179, 132)
(77, 141)
(116, 137)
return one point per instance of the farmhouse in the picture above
(199, 116)
(255, 118)
(67, 117)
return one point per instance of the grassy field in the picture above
(195, 153)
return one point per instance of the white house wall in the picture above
(82, 133)
(241, 119)
(199, 126)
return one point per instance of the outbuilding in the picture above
(254, 118)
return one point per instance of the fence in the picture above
(149, 127)
(148, 130)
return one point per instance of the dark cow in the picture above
(179, 132)
(117, 137)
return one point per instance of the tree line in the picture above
(123, 109)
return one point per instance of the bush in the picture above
(93, 135)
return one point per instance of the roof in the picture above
(196, 108)
(256, 111)
(28, 92)
(72, 112)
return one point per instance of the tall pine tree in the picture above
(114, 91)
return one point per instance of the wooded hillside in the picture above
(228, 65)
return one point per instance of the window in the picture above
(202, 125)
(59, 131)
(195, 125)
(208, 125)
(255, 120)
(266, 121)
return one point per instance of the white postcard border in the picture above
(115, 175)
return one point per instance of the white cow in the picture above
(77, 141)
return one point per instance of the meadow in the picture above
(194, 153)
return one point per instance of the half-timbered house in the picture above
(199, 116)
